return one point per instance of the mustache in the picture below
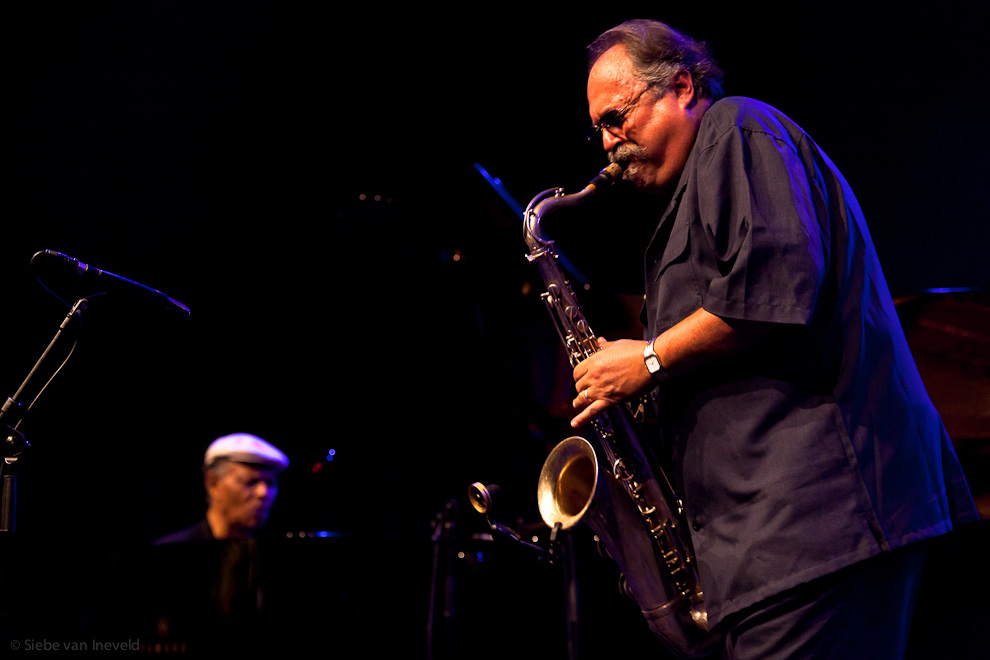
(626, 152)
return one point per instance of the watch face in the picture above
(653, 364)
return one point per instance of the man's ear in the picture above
(683, 86)
(210, 481)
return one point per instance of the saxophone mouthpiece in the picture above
(608, 176)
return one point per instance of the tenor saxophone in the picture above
(623, 496)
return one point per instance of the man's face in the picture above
(654, 135)
(243, 494)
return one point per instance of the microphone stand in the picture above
(560, 550)
(14, 445)
(442, 591)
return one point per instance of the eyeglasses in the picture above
(614, 119)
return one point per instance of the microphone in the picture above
(484, 498)
(110, 283)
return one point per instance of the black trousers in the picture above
(862, 612)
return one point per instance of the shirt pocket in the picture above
(675, 251)
(672, 290)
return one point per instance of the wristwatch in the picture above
(653, 364)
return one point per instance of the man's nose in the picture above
(610, 140)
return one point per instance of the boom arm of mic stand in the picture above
(507, 535)
(513, 204)
(11, 415)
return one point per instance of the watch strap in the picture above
(653, 363)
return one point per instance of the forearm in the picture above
(703, 337)
(618, 372)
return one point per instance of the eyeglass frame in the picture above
(605, 125)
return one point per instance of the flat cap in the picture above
(245, 448)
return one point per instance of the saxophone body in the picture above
(617, 489)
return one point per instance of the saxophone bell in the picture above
(575, 488)
(568, 483)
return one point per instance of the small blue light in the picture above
(949, 289)
(480, 556)
(331, 454)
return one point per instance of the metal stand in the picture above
(14, 445)
(483, 499)
(439, 625)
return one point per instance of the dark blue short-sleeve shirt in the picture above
(818, 447)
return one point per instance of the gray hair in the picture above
(221, 467)
(658, 52)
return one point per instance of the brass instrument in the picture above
(623, 496)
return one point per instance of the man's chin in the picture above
(630, 171)
(635, 174)
(255, 522)
(644, 179)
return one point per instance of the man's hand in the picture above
(612, 375)
(617, 372)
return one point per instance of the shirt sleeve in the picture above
(758, 214)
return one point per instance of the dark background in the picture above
(304, 181)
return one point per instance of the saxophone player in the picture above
(813, 466)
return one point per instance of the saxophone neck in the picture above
(554, 198)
